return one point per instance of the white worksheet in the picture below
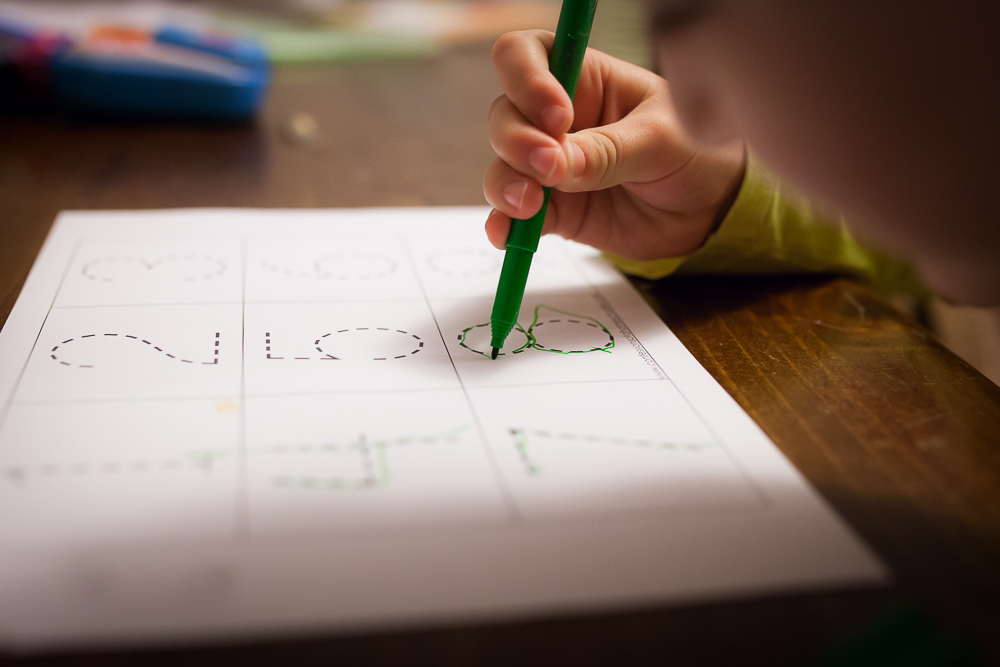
(229, 423)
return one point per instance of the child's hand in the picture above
(627, 180)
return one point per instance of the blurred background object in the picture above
(971, 333)
(301, 129)
(132, 59)
(444, 21)
(621, 30)
(152, 57)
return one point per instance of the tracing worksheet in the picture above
(220, 423)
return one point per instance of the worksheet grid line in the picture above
(510, 503)
(242, 509)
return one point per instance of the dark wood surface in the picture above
(898, 434)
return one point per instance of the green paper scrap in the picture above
(290, 42)
(289, 46)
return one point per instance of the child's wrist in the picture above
(727, 203)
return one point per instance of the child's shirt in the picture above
(768, 231)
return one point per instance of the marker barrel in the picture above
(569, 47)
(514, 273)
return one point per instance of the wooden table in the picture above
(898, 434)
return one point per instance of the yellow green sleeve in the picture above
(768, 231)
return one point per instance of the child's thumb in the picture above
(622, 152)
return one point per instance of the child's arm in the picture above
(771, 230)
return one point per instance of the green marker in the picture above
(575, 20)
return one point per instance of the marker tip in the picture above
(496, 351)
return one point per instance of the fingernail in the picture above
(514, 193)
(553, 119)
(577, 160)
(543, 160)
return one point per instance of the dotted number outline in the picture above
(52, 352)
(329, 357)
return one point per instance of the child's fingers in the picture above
(523, 146)
(521, 61)
(511, 192)
(498, 228)
(498, 225)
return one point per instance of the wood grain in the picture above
(898, 434)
